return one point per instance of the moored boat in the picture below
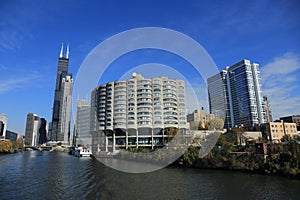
(82, 152)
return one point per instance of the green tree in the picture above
(191, 155)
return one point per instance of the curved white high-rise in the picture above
(138, 111)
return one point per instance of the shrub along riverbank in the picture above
(281, 159)
(7, 146)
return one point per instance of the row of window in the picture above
(143, 123)
(286, 126)
(156, 113)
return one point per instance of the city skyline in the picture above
(32, 34)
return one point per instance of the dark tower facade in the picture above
(62, 72)
(42, 131)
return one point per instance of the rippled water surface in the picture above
(53, 175)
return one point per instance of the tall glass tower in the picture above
(235, 95)
(62, 73)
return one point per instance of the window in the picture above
(170, 104)
(143, 108)
(144, 122)
(144, 95)
(144, 113)
(143, 117)
(170, 113)
(144, 104)
(169, 108)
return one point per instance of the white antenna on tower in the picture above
(67, 53)
(61, 50)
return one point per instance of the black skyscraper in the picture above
(43, 131)
(62, 72)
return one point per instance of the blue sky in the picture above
(31, 33)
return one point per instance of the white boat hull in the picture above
(82, 152)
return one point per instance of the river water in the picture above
(55, 175)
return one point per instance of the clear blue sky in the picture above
(31, 33)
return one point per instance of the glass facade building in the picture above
(82, 123)
(235, 95)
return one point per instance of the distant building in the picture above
(249, 136)
(137, 112)
(49, 130)
(274, 131)
(31, 130)
(235, 95)
(3, 125)
(292, 119)
(60, 126)
(21, 138)
(82, 123)
(2, 129)
(10, 135)
(199, 118)
(65, 112)
(268, 110)
(36, 130)
(43, 130)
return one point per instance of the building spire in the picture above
(67, 53)
(61, 50)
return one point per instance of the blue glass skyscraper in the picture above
(235, 95)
